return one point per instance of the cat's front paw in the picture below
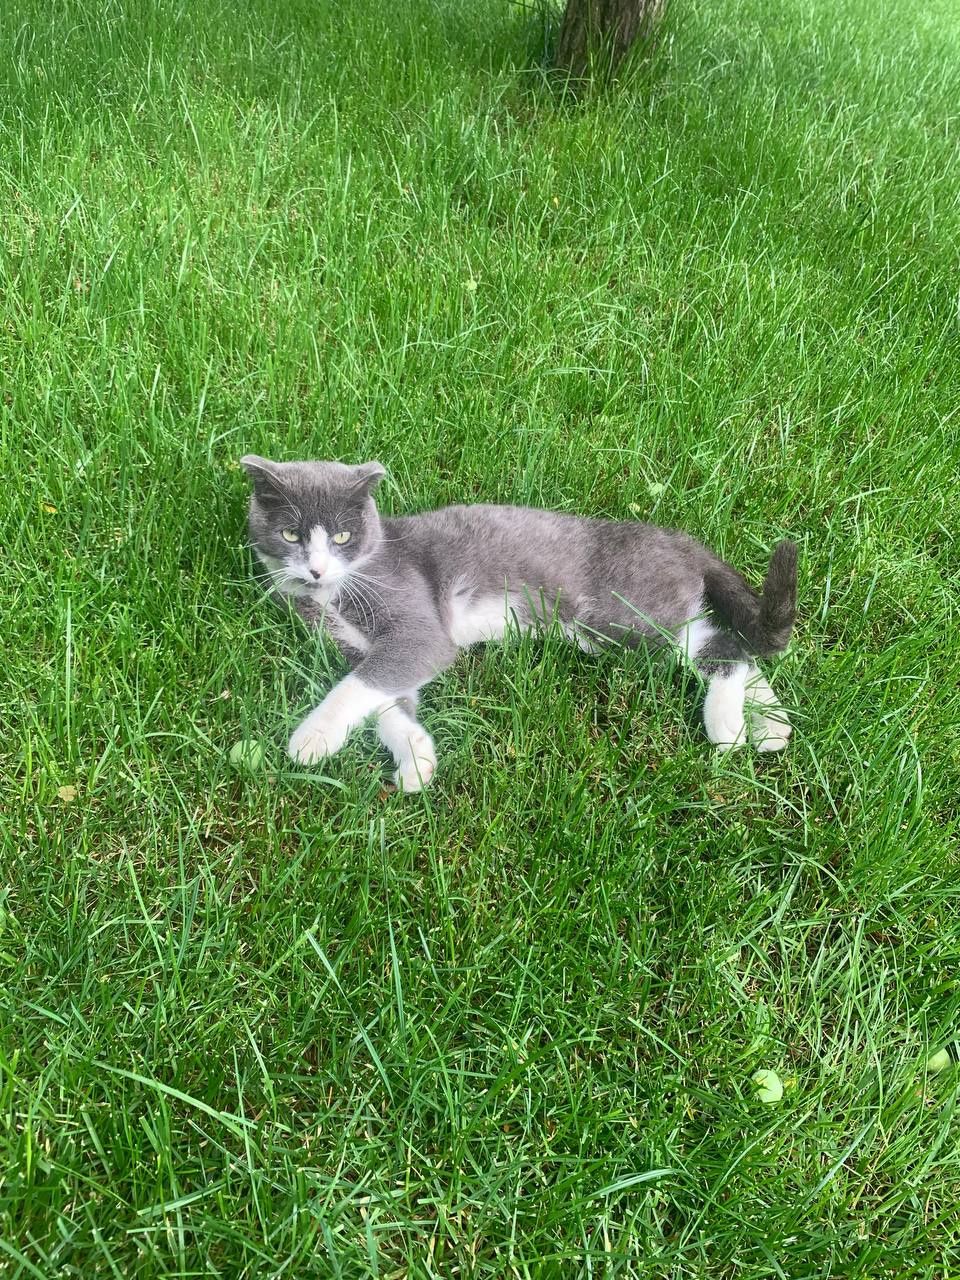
(418, 764)
(317, 736)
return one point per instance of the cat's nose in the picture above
(315, 573)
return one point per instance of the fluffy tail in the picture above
(765, 621)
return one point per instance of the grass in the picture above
(288, 1024)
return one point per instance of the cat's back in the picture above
(491, 530)
(470, 520)
(485, 544)
(493, 524)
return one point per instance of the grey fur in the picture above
(409, 579)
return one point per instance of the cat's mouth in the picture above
(299, 582)
(323, 581)
(325, 590)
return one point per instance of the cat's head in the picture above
(312, 522)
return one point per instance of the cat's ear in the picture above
(264, 474)
(367, 476)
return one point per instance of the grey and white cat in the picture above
(401, 596)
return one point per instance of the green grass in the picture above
(292, 1025)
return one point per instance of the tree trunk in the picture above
(597, 34)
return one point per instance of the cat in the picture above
(401, 596)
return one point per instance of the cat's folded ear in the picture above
(264, 473)
(367, 476)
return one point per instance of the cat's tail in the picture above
(765, 621)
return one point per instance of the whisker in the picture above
(374, 602)
(366, 593)
(366, 612)
(377, 582)
(360, 606)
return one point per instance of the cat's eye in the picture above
(289, 535)
(341, 538)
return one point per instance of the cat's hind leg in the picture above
(770, 726)
(723, 717)
(727, 667)
(409, 743)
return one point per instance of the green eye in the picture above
(341, 538)
(289, 535)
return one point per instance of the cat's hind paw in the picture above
(725, 735)
(723, 717)
(416, 767)
(771, 732)
(770, 726)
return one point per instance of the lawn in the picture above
(290, 1023)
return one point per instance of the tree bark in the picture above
(597, 34)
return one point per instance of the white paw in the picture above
(769, 723)
(723, 717)
(416, 766)
(315, 737)
(771, 732)
(726, 734)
